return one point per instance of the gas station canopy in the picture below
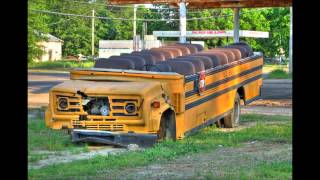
(201, 4)
(208, 4)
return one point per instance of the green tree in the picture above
(255, 20)
(279, 31)
(76, 31)
(36, 28)
(222, 20)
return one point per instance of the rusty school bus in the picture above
(154, 94)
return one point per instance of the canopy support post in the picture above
(236, 24)
(183, 22)
(134, 31)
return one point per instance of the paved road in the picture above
(39, 83)
(276, 89)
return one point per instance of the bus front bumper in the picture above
(113, 138)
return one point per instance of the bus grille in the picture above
(116, 104)
(105, 127)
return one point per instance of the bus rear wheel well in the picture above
(241, 93)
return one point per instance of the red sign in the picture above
(202, 82)
(209, 32)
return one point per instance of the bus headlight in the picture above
(63, 103)
(130, 108)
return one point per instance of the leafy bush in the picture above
(64, 64)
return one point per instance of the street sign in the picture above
(212, 33)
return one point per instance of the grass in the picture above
(44, 140)
(206, 140)
(279, 74)
(274, 170)
(61, 64)
(276, 71)
(270, 67)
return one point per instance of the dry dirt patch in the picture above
(67, 156)
(272, 102)
(269, 107)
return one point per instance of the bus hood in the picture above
(99, 88)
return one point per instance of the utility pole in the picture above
(290, 42)
(92, 34)
(236, 24)
(183, 21)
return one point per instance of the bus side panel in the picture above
(252, 90)
(209, 110)
(221, 88)
(216, 101)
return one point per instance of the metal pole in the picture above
(290, 42)
(146, 28)
(144, 32)
(236, 24)
(183, 21)
(92, 34)
(134, 20)
(134, 27)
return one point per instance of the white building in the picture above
(52, 48)
(109, 48)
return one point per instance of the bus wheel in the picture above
(167, 128)
(232, 120)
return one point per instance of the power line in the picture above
(126, 6)
(124, 19)
(83, 4)
(190, 11)
(66, 20)
(127, 19)
(77, 15)
(138, 12)
(111, 5)
(66, 7)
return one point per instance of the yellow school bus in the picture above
(140, 106)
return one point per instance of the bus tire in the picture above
(167, 128)
(232, 119)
